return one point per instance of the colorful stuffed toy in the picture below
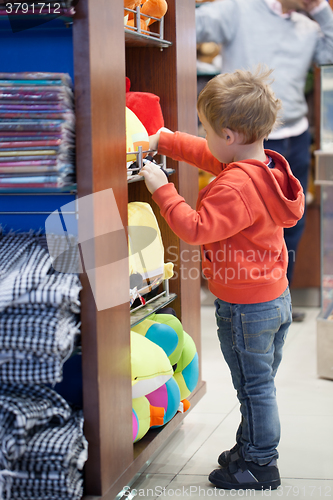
(146, 107)
(187, 371)
(136, 135)
(166, 331)
(144, 416)
(146, 251)
(161, 345)
(150, 366)
(167, 397)
(151, 369)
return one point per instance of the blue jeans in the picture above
(296, 150)
(252, 338)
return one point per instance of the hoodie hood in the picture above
(281, 192)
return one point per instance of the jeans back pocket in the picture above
(259, 329)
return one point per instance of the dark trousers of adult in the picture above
(296, 150)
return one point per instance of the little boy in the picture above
(238, 222)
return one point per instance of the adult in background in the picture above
(275, 33)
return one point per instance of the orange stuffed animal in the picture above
(150, 8)
(130, 4)
(154, 8)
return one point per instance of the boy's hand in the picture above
(154, 177)
(154, 139)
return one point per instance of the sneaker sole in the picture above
(269, 485)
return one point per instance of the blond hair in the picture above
(241, 101)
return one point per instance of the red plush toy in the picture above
(146, 107)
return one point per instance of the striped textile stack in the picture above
(37, 132)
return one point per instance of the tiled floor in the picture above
(306, 413)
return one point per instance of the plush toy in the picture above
(168, 397)
(187, 371)
(160, 390)
(136, 135)
(166, 331)
(150, 366)
(131, 24)
(130, 4)
(144, 416)
(146, 250)
(146, 107)
(154, 8)
(150, 9)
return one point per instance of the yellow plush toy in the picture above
(146, 250)
(150, 365)
(144, 416)
(136, 135)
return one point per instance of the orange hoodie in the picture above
(238, 221)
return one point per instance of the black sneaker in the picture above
(241, 475)
(229, 456)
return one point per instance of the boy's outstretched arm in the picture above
(155, 138)
(188, 148)
(222, 214)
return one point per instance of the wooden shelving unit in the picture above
(98, 52)
(104, 53)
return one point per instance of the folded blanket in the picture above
(23, 410)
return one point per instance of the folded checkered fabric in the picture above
(27, 368)
(50, 467)
(51, 331)
(56, 289)
(12, 248)
(27, 276)
(56, 448)
(26, 273)
(35, 342)
(24, 410)
(65, 485)
(63, 250)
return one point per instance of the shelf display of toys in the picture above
(165, 371)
